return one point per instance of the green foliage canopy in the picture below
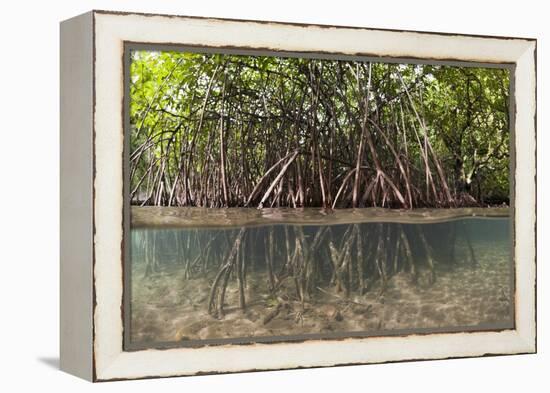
(221, 130)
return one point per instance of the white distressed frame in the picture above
(111, 30)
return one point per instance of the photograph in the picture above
(268, 197)
(279, 197)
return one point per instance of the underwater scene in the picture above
(354, 272)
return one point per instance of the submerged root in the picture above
(429, 257)
(310, 260)
(217, 291)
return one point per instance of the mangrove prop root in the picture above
(310, 258)
(224, 273)
(270, 257)
(360, 264)
(429, 257)
(473, 259)
(269, 317)
(408, 253)
(240, 278)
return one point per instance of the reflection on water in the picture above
(287, 279)
(179, 217)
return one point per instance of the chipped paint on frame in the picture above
(110, 362)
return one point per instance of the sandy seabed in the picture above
(167, 308)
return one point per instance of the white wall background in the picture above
(29, 198)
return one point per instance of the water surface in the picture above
(286, 274)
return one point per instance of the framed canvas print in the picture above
(244, 195)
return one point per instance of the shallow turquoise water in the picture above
(371, 277)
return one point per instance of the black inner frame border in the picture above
(130, 46)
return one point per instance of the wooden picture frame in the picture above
(94, 212)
